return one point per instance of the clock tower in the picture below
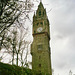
(40, 48)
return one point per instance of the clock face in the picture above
(39, 29)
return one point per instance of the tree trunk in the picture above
(17, 60)
(13, 57)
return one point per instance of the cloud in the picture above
(62, 20)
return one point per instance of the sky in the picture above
(62, 33)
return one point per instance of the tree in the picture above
(11, 14)
(8, 15)
(17, 46)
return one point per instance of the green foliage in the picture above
(6, 69)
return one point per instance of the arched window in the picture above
(43, 13)
(39, 47)
(34, 31)
(37, 24)
(39, 13)
(39, 65)
(41, 23)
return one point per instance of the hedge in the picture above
(6, 69)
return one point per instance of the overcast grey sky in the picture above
(62, 20)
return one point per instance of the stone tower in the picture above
(40, 48)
